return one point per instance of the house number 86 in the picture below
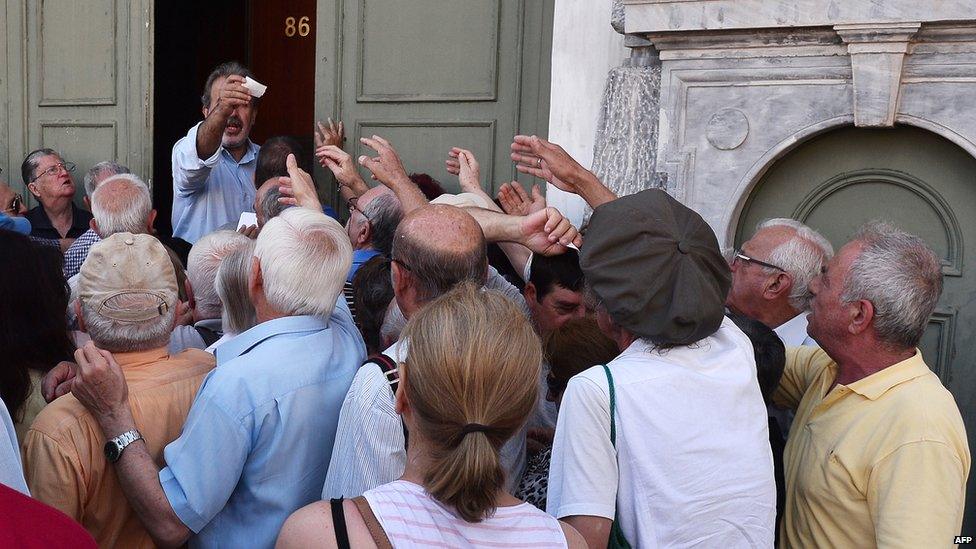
(301, 29)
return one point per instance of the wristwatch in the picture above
(114, 446)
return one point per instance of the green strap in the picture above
(613, 404)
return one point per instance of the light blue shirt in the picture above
(14, 223)
(259, 436)
(358, 258)
(212, 192)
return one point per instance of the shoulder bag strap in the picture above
(616, 539)
(613, 405)
(339, 524)
(389, 368)
(373, 525)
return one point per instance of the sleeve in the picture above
(196, 488)
(803, 366)
(916, 496)
(583, 473)
(53, 474)
(369, 447)
(190, 172)
(498, 283)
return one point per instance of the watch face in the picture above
(112, 452)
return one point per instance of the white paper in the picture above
(255, 88)
(247, 219)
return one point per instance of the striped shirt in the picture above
(413, 518)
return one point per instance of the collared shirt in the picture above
(209, 193)
(78, 251)
(41, 226)
(880, 462)
(187, 337)
(63, 454)
(692, 464)
(358, 258)
(793, 332)
(14, 223)
(259, 435)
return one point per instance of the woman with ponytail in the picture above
(468, 384)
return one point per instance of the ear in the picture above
(189, 294)
(862, 316)
(87, 203)
(93, 225)
(399, 278)
(151, 221)
(32, 187)
(205, 111)
(255, 282)
(777, 285)
(530, 292)
(401, 402)
(365, 233)
(81, 318)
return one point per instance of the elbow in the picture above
(169, 534)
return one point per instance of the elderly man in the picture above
(127, 301)
(260, 432)
(13, 210)
(201, 271)
(879, 456)
(213, 165)
(48, 177)
(78, 251)
(771, 277)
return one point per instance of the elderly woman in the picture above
(48, 178)
(467, 385)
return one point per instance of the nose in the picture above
(580, 312)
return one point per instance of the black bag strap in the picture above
(389, 368)
(209, 336)
(339, 524)
(616, 539)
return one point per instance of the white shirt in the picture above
(692, 464)
(11, 469)
(793, 332)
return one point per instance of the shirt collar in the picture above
(246, 341)
(878, 383)
(249, 156)
(793, 332)
(214, 324)
(40, 220)
(141, 358)
(363, 255)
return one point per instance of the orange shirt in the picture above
(63, 452)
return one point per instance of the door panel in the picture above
(923, 184)
(433, 74)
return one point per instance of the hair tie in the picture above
(474, 428)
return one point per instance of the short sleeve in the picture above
(803, 366)
(583, 473)
(195, 486)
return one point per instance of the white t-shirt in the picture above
(695, 466)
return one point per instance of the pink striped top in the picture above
(412, 518)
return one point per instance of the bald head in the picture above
(120, 204)
(440, 246)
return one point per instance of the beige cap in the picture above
(463, 200)
(128, 277)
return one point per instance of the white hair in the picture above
(305, 257)
(393, 323)
(802, 256)
(121, 204)
(201, 268)
(125, 337)
(901, 277)
(231, 284)
(107, 168)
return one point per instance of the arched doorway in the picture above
(922, 183)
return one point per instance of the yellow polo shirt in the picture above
(880, 462)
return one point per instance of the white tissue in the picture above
(255, 88)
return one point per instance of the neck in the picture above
(858, 360)
(264, 312)
(238, 152)
(59, 208)
(776, 313)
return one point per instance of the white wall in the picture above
(584, 49)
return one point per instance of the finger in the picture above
(382, 141)
(234, 78)
(520, 191)
(530, 170)
(371, 143)
(342, 130)
(287, 201)
(560, 231)
(62, 389)
(537, 193)
(527, 159)
(553, 217)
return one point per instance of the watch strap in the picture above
(125, 439)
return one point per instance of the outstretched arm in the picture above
(545, 232)
(387, 168)
(545, 160)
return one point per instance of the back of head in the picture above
(237, 311)
(128, 291)
(224, 70)
(577, 345)
(769, 350)
(440, 246)
(901, 277)
(305, 257)
(384, 214)
(802, 256)
(372, 294)
(557, 270)
(202, 264)
(268, 205)
(470, 378)
(100, 172)
(273, 156)
(121, 204)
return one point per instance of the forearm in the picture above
(407, 193)
(498, 227)
(353, 187)
(593, 191)
(210, 133)
(595, 530)
(518, 255)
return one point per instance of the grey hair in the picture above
(121, 204)
(270, 206)
(108, 168)
(125, 337)
(232, 287)
(33, 159)
(802, 256)
(393, 323)
(202, 265)
(901, 277)
(384, 215)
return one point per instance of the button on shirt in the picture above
(692, 465)
(212, 192)
(881, 462)
(259, 435)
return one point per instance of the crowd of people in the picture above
(453, 370)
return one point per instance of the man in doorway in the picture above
(213, 166)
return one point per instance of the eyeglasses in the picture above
(15, 204)
(353, 207)
(737, 255)
(66, 166)
(402, 264)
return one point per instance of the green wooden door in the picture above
(76, 77)
(921, 183)
(432, 74)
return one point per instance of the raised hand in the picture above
(515, 201)
(548, 232)
(462, 163)
(232, 94)
(297, 188)
(334, 134)
(545, 160)
(387, 168)
(342, 166)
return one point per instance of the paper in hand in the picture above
(255, 88)
(247, 219)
